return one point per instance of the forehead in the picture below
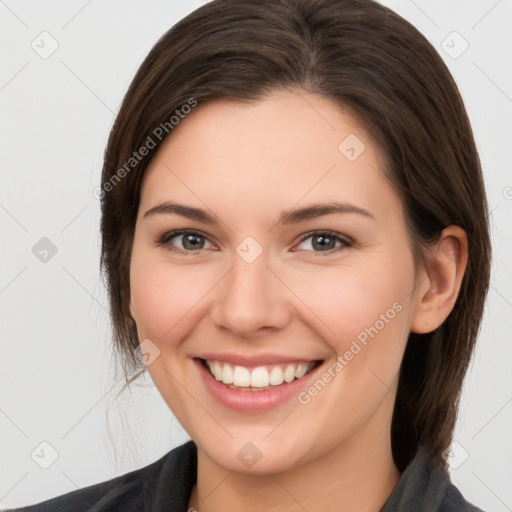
(282, 149)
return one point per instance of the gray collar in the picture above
(426, 486)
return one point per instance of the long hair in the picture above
(366, 58)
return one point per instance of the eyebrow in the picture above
(287, 217)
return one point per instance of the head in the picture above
(247, 109)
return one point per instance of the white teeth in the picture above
(217, 371)
(227, 374)
(259, 377)
(241, 377)
(300, 371)
(289, 373)
(276, 376)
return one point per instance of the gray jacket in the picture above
(166, 485)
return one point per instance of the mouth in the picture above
(258, 378)
(255, 384)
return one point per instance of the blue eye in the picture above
(325, 241)
(192, 241)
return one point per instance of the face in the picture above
(269, 244)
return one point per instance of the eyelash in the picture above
(165, 241)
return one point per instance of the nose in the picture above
(251, 300)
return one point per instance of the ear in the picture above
(438, 288)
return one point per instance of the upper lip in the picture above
(255, 359)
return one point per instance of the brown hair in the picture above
(368, 59)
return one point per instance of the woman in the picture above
(295, 243)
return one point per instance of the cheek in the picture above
(352, 302)
(364, 316)
(165, 298)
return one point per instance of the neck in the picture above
(357, 476)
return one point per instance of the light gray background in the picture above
(56, 379)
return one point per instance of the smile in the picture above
(274, 379)
(260, 378)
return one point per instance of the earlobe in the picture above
(438, 289)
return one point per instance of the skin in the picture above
(246, 163)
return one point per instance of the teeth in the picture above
(289, 373)
(259, 377)
(227, 374)
(217, 372)
(241, 377)
(300, 371)
(276, 376)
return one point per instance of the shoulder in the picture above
(167, 481)
(426, 486)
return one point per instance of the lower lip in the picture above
(253, 401)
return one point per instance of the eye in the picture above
(184, 241)
(187, 242)
(324, 241)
